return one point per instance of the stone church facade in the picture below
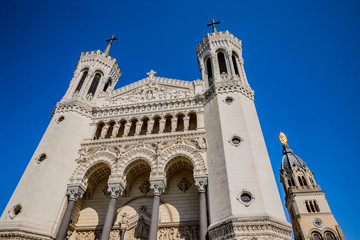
(160, 158)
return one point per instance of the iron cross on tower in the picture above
(107, 50)
(213, 25)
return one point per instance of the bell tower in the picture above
(242, 191)
(308, 208)
(95, 74)
(39, 200)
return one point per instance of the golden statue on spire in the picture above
(282, 138)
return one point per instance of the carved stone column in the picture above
(201, 183)
(162, 125)
(126, 129)
(104, 131)
(150, 126)
(159, 186)
(174, 121)
(186, 122)
(115, 130)
(138, 127)
(74, 192)
(115, 190)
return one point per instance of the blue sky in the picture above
(301, 58)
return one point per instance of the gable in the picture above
(152, 89)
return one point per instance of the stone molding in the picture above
(158, 185)
(119, 156)
(264, 228)
(115, 189)
(76, 106)
(228, 87)
(201, 182)
(75, 191)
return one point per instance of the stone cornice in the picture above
(148, 107)
(165, 81)
(250, 226)
(226, 87)
(143, 138)
(77, 106)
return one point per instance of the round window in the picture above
(245, 197)
(60, 119)
(41, 158)
(228, 100)
(236, 140)
(16, 210)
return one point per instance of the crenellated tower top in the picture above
(220, 60)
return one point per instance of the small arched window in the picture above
(304, 181)
(222, 63)
(107, 84)
(316, 236)
(300, 181)
(234, 60)
(83, 77)
(94, 84)
(329, 236)
(209, 72)
(316, 206)
(307, 206)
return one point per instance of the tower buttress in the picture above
(242, 189)
(50, 168)
(308, 208)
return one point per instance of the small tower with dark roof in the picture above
(308, 208)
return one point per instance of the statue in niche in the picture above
(184, 185)
(142, 229)
(145, 187)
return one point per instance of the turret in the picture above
(308, 208)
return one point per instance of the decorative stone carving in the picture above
(158, 185)
(201, 183)
(145, 187)
(184, 185)
(75, 191)
(115, 189)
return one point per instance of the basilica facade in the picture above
(160, 158)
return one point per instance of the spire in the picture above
(290, 160)
(213, 25)
(107, 49)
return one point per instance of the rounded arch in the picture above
(188, 152)
(134, 169)
(136, 154)
(98, 70)
(81, 173)
(177, 163)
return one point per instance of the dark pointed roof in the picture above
(290, 160)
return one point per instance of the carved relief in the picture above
(184, 185)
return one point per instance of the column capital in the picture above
(158, 185)
(115, 189)
(75, 192)
(201, 182)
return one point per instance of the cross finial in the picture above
(107, 50)
(151, 74)
(213, 25)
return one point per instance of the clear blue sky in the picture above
(301, 58)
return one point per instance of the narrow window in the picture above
(307, 206)
(192, 121)
(222, 63)
(234, 59)
(98, 130)
(81, 81)
(316, 206)
(293, 182)
(316, 236)
(304, 181)
(94, 84)
(300, 181)
(168, 123)
(289, 183)
(108, 84)
(329, 236)
(209, 72)
(312, 206)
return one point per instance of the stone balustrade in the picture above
(146, 125)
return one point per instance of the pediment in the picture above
(152, 89)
